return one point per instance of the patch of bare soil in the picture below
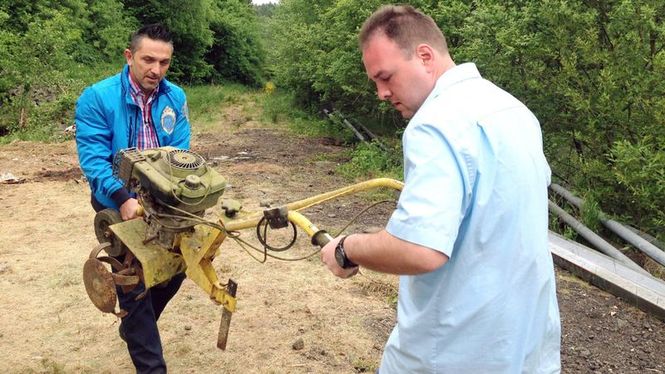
(603, 334)
(292, 317)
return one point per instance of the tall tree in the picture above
(237, 53)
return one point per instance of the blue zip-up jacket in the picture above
(107, 121)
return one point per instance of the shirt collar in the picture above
(451, 77)
(455, 75)
(137, 91)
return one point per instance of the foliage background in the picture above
(592, 71)
(51, 50)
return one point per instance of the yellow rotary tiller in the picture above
(174, 188)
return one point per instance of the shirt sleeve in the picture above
(432, 204)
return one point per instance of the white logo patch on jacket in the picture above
(168, 119)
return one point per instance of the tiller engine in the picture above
(174, 188)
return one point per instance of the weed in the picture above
(40, 110)
(324, 157)
(590, 213)
(278, 107)
(369, 160)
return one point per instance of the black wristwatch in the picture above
(340, 256)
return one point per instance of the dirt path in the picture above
(49, 325)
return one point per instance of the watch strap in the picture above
(346, 263)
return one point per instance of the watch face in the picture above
(339, 256)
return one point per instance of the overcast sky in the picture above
(257, 2)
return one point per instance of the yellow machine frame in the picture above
(200, 247)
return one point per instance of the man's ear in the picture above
(425, 53)
(128, 56)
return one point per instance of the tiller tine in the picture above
(225, 323)
(100, 283)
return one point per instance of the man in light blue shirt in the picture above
(469, 235)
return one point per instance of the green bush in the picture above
(49, 51)
(369, 160)
(237, 53)
(592, 72)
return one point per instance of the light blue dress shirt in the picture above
(476, 190)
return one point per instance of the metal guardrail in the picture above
(361, 132)
(623, 231)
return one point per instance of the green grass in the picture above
(45, 107)
(368, 160)
(330, 157)
(45, 122)
(280, 108)
(207, 101)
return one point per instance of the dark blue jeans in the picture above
(139, 327)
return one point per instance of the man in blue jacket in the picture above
(135, 108)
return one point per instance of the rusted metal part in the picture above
(125, 280)
(123, 275)
(141, 295)
(115, 264)
(129, 268)
(225, 323)
(98, 248)
(100, 283)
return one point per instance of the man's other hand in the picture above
(129, 209)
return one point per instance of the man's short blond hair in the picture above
(404, 25)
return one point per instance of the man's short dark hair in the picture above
(404, 25)
(154, 31)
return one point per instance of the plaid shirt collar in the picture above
(137, 93)
(146, 136)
